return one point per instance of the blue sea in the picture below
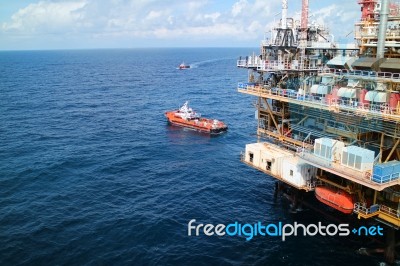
(91, 173)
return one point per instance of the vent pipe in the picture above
(383, 18)
(284, 13)
(304, 15)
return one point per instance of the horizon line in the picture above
(128, 48)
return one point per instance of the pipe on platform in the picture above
(383, 17)
(284, 13)
(304, 15)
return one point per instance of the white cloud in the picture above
(238, 7)
(171, 20)
(193, 6)
(204, 32)
(46, 17)
(168, 20)
(323, 14)
(255, 26)
(213, 16)
(339, 19)
(154, 15)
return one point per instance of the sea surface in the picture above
(91, 173)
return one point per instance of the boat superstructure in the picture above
(185, 116)
(183, 66)
(332, 109)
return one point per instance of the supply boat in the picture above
(339, 199)
(186, 117)
(183, 66)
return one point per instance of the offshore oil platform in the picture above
(329, 113)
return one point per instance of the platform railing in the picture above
(386, 178)
(271, 65)
(278, 65)
(266, 65)
(309, 156)
(348, 105)
(360, 207)
(361, 73)
(389, 211)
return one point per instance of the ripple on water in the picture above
(91, 173)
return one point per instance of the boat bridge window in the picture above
(251, 155)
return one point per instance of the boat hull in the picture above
(202, 124)
(339, 200)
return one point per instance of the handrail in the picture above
(389, 211)
(286, 65)
(360, 207)
(361, 73)
(362, 109)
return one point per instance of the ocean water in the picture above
(90, 172)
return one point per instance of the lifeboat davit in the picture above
(186, 117)
(338, 199)
(183, 66)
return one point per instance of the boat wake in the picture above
(210, 61)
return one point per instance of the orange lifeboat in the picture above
(338, 199)
(186, 117)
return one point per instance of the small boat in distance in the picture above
(186, 117)
(338, 199)
(183, 66)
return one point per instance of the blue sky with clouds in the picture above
(61, 24)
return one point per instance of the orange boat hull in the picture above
(339, 200)
(200, 124)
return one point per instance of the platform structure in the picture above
(333, 109)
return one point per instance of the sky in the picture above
(85, 24)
